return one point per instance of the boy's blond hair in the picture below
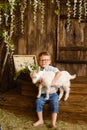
(44, 53)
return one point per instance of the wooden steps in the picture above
(75, 108)
(78, 88)
(24, 95)
(76, 105)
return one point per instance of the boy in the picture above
(44, 60)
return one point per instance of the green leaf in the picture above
(56, 12)
(34, 67)
(17, 74)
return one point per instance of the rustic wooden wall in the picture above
(34, 41)
(72, 46)
(68, 49)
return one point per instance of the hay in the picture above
(10, 121)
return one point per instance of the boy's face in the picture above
(44, 61)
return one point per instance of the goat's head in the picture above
(34, 74)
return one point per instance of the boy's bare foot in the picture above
(53, 126)
(37, 123)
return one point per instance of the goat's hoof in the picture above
(46, 98)
(65, 99)
(38, 96)
(58, 99)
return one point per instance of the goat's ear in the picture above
(39, 68)
(30, 69)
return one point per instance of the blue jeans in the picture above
(53, 102)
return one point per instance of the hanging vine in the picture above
(40, 5)
(85, 9)
(42, 16)
(80, 11)
(57, 11)
(8, 30)
(68, 14)
(75, 8)
(35, 5)
(0, 18)
(22, 10)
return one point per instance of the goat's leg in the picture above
(47, 93)
(39, 91)
(67, 91)
(61, 93)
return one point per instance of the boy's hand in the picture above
(53, 83)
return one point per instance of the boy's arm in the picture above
(57, 75)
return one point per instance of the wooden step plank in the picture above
(28, 93)
(77, 98)
(18, 101)
(79, 79)
(75, 103)
(73, 117)
(76, 108)
(79, 85)
(78, 91)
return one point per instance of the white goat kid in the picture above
(63, 82)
